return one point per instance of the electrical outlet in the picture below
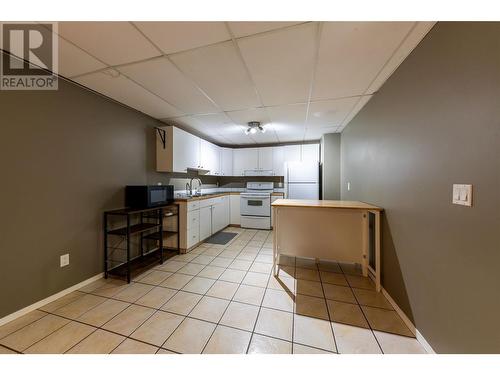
(64, 260)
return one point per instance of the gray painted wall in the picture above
(66, 156)
(330, 165)
(436, 122)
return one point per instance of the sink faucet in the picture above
(190, 186)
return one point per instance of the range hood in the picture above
(199, 170)
(258, 172)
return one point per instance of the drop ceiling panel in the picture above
(351, 54)
(416, 35)
(288, 115)
(288, 121)
(291, 134)
(357, 107)
(161, 77)
(247, 115)
(219, 71)
(313, 134)
(268, 137)
(119, 88)
(73, 61)
(173, 37)
(235, 134)
(256, 114)
(241, 29)
(329, 113)
(281, 63)
(212, 124)
(112, 42)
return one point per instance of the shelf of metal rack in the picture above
(147, 225)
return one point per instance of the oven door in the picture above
(255, 205)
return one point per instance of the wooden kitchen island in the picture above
(343, 231)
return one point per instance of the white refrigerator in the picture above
(302, 180)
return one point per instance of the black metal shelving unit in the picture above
(147, 225)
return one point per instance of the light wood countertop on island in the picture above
(333, 230)
(325, 204)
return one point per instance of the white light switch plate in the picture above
(462, 194)
(64, 260)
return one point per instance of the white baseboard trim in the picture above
(421, 339)
(36, 305)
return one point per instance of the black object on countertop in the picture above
(148, 196)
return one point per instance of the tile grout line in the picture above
(328, 309)
(364, 315)
(295, 296)
(133, 303)
(238, 253)
(12, 349)
(218, 279)
(260, 308)
(246, 273)
(73, 320)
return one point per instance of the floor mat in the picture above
(221, 238)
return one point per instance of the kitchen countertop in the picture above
(324, 204)
(214, 195)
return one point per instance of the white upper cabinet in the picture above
(292, 153)
(266, 158)
(245, 159)
(279, 161)
(183, 151)
(186, 150)
(310, 152)
(209, 157)
(226, 161)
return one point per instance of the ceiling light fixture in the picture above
(253, 127)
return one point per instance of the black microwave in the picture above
(148, 196)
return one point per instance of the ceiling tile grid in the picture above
(299, 79)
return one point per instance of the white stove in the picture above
(255, 205)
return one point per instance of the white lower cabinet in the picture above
(193, 236)
(205, 222)
(234, 209)
(202, 218)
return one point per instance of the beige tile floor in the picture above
(220, 299)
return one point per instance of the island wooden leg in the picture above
(366, 236)
(275, 242)
(377, 251)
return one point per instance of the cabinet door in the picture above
(227, 211)
(234, 209)
(279, 161)
(310, 152)
(245, 159)
(205, 222)
(266, 158)
(226, 163)
(217, 217)
(186, 150)
(292, 153)
(209, 157)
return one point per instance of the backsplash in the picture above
(210, 184)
